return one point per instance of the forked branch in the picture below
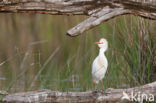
(97, 10)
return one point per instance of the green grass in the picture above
(130, 53)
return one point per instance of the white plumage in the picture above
(100, 64)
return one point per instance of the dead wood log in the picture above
(107, 96)
(97, 10)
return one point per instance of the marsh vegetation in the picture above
(36, 54)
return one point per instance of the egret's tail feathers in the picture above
(96, 82)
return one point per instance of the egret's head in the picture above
(102, 43)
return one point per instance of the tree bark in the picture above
(97, 10)
(107, 96)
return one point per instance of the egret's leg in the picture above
(94, 85)
(102, 84)
(94, 80)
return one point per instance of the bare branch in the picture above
(95, 20)
(48, 96)
(97, 10)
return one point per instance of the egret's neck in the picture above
(102, 51)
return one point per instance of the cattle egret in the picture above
(100, 64)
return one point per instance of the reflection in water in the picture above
(2, 78)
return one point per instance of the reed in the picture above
(130, 54)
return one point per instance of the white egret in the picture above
(100, 64)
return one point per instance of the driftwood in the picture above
(107, 96)
(97, 10)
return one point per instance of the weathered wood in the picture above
(97, 10)
(109, 95)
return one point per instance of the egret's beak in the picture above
(98, 43)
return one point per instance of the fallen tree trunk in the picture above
(97, 10)
(108, 96)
